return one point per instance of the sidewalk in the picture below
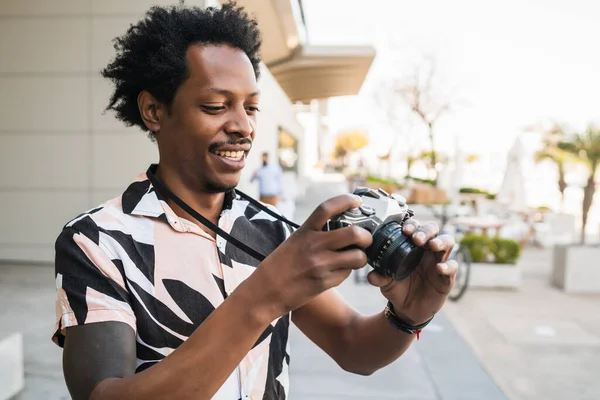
(538, 343)
(27, 295)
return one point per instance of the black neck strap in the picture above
(261, 206)
(248, 250)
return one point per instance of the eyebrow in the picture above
(226, 92)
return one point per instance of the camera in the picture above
(392, 254)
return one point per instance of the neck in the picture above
(209, 205)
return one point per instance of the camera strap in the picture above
(237, 243)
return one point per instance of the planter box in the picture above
(576, 269)
(495, 276)
(11, 366)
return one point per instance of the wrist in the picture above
(408, 319)
(261, 305)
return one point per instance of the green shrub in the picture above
(495, 249)
(381, 181)
(430, 182)
(505, 251)
(479, 246)
(469, 190)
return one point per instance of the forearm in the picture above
(200, 366)
(359, 344)
(372, 343)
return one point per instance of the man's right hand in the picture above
(311, 261)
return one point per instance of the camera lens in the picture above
(393, 254)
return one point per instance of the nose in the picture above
(240, 123)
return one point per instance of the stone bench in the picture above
(11, 366)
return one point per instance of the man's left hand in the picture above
(423, 293)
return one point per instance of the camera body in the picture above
(392, 254)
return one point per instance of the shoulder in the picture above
(89, 219)
(102, 226)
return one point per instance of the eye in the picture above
(213, 109)
(252, 110)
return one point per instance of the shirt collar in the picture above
(140, 198)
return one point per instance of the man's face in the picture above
(211, 125)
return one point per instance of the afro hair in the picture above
(151, 55)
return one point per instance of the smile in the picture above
(231, 155)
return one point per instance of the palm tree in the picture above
(552, 152)
(558, 157)
(586, 148)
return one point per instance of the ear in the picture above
(151, 110)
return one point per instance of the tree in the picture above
(425, 156)
(551, 151)
(585, 147)
(405, 138)
(349, 141)
(420, 93)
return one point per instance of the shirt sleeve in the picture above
(90, 286)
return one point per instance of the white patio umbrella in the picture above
(512, 191)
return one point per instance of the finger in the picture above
(330, 208)
(425, 233)
(448, 268)
(347, 259)
(348, 236)
(410, 226)
(442, 243)
(378, 280)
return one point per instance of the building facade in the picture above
(60, 154)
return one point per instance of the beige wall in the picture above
(55, 142)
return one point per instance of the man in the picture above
(269, 181)
(152, 304)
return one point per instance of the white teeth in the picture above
(232, 155)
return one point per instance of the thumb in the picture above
(378, 280)
(331, 208)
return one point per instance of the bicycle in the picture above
(460, 254)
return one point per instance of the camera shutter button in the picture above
(353, 212)
(367, 210)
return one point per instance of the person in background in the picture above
(269, 181)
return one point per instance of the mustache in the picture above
(232, 142)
